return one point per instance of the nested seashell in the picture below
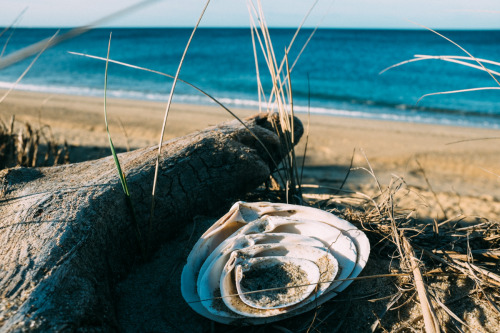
(263, 262)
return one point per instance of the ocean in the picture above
(337, 74)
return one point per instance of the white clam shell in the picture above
(308, 250)
(210, 273)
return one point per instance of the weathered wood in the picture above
(66, 235)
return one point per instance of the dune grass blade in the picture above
(281, 95)
(123, 181)
(7, 43)
(451, 314)
(169, 102)
(294, 174)
(358, 278)
(281, 91)
(484, 61)
(476, 139)
(260, 89)
(13, 27)
(430, 318)
(121, 174)
(456, 92)
(460, 60)
(399, 64)
(311, 35)
(307, 128)
(470, 57)
(47, 43)
(463, 49)
(454, 59)
(17, 19)
(257, 12)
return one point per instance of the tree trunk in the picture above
(66, 232)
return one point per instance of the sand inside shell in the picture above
(290, 280)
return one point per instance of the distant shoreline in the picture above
(441, 118)
(392, 148)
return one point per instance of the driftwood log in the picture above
(67, 236)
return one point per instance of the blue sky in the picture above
(438, 14)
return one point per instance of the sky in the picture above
(393, 14)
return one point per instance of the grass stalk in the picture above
(307, 129)
(121, 174)
(281, 95)
(13, 27)
(430, 319)
(169, 102)
(45, 46)
(35, 48)
(455, 92)
(454, 59)
(256, 12)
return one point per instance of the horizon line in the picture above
(248, 27)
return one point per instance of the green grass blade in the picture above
(121, 174)
(123, 180)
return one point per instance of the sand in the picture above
(446, 171)
(428, 157)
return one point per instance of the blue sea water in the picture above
(337, 74)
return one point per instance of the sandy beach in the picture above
(461, 164)
(443, 172)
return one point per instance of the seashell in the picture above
(263, 262)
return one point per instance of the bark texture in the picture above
(67, 236)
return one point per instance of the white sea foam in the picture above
(392, 114)
(54, 89)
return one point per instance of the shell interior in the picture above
(275, 282)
